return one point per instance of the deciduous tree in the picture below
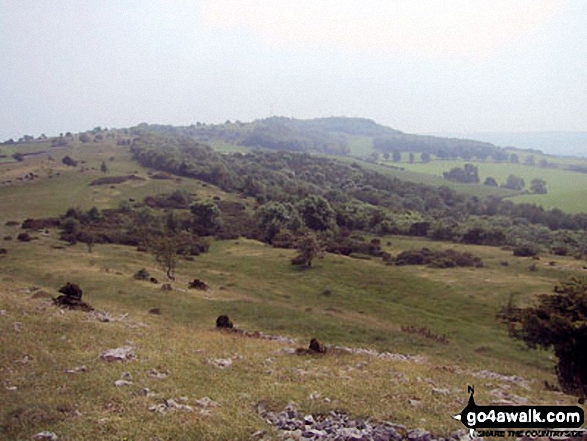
(559, 321)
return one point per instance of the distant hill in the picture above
(554, 143)
(330, 135)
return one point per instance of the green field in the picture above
(566, 190)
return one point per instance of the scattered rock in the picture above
(509, 378)
(389, 356)
(154, 280)
(221, 363)
(101, 316)
(334, 426)
(419, 435)
(154, 373)
(170, 405)
(224, 322)
(206, 402)
(124, 353)
(122, 383)
(17, 326)
(507, 398)
(126, 376)
(26, 359)
(156, 311)
(415, 403)
(259, 434)
(77, 370)
(146, 392)
(46, 436)
(440, 391)
(166, 287)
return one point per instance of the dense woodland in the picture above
(350, 197)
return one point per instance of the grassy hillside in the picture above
(366, 307)
(342, 301)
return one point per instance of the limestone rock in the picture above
(124, 353)
(45, 436)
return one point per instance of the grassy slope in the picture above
(368, 304)
(255, 284)
(69, 187)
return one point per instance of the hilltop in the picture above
(333, 135)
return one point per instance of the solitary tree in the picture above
(538, 186)
(397, 156)
(425, 156)
(308, 248)
(166, 251)
(104, 167)
(559, 321)
(206, 217)
(514, 183)
(490, 181)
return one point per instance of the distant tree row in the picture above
(517, 183)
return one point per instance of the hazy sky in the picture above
(417, 65)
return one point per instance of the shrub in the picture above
(560, 250)
(437, 259)
(558, 322)
(142, 274)
(69, 161)
(24, 237)
(525, 250)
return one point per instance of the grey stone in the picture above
(419, 435)
(45, 436)
(440, 391)
(259, 434)
(124, 353)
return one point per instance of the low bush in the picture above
(525, 250)
(438, 259)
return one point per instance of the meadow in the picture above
(567, 190)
